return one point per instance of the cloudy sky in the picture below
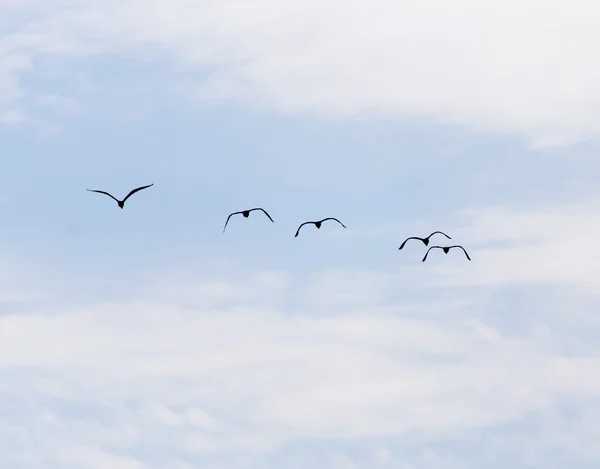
(146, 338)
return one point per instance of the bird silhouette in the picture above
(446, 249)
(317, 224)
(246, 213)
(121, 202)
(425, 240)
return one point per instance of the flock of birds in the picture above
(246, 214)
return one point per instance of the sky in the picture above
(146, 338)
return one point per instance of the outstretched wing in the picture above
(457, 246)
(135, 190)
(264, 211)
(305, 223)
(331, 218)
(439, 233)
(432, 247)
(102, 192)
(412, 237)
(227, 221)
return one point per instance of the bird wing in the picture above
(412, 237)
(439, 233)
(227, 221)
(102, 192)
(305, 223)
(264, 211)
(432, 247)
(135, 190)
(331, 218)
(457, 246)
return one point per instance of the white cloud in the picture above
(217, 379)
(548, 244)
(94, 458)
(201, 368)
(520, 246)
(523, 66)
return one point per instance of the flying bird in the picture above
(446, 249)
(317, 224)
(246, 213)
(425, 240)
(122, 202)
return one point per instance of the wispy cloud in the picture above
(244, 377)
(519, 66)
(544, 244)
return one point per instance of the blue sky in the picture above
(145, 338)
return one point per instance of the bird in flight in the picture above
(122, 202)
(425, 240)
(317, 224)
(446, 249)
(246, 213)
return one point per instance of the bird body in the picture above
(317, 224)
(446, 249)
(121, 203)
(425, 240)
(246, 214)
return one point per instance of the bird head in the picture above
(446, 250)
(245, 213)
(121, 203)
(426, 241)
(318, 225)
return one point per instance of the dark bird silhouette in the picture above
(446, 249)
(246, 213)
(122, 202)
(425, 240)
(317, 224)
